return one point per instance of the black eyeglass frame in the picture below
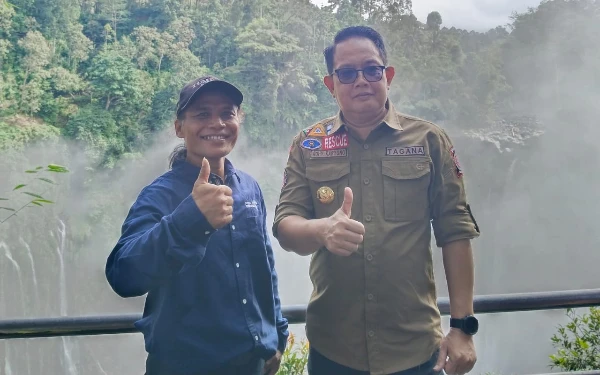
(380, 68)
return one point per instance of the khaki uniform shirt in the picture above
(376, 310)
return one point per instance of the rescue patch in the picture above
(405, 151)
(336, 141)
(459, 172)
(311, 144)
(341, 153)
(317, 131)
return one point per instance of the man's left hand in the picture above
(460, 349)
(272, 365)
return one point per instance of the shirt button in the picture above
(369, 257)
(256, 338)
(244, 301)
(370, 296)
(371, 333)
(366, 146)
(237, 265)
(207, 232)
(368, 218)
(366, 181)
(233, 227)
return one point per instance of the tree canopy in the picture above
(107, 72)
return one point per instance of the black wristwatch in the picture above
(469, 324)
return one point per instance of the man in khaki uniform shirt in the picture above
(361, 192)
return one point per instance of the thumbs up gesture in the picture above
(215, 202)
(343, 235)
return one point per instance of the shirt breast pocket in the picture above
(327, 182)
(251, 207)
(405, 189)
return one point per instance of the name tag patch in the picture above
(405, 151)
(341, 153)
(335, 141)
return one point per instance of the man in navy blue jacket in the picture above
(196, 242)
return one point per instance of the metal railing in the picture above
(118, 324)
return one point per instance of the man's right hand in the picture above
(343, 235)
(215, 202)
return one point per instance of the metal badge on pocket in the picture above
(325, 194)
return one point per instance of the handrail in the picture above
(118, 324)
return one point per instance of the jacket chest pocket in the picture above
(405, 189)
(327, 182)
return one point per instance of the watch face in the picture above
(471, 325)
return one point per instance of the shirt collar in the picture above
(190, 171)
(390, 119)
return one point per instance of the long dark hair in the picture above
(178, 153)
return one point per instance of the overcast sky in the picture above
(478, 15)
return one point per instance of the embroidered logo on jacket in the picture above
(317, 131)
(252, 204)
(311, 144)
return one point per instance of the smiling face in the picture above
(210, 127)
(360, 97)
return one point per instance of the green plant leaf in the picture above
(33, 195)
(19, 186)
(7, 208)
(3, 199)
(42, 201)
(36, 203)
(46, 180)
(38, 168)
(57, 168)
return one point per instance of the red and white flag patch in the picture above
(459, 171)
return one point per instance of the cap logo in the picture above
(203, 81)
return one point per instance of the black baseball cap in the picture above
(193, 88)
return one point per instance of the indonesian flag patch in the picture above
(459, 171)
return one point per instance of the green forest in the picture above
(107, 72)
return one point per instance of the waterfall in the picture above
(7, 368)
(60, 250)
(33, 273)
(11, 259)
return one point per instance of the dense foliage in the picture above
(578, 342)
(107, 72)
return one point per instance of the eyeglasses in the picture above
(371, 74)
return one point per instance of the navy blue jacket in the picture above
(212, 294)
